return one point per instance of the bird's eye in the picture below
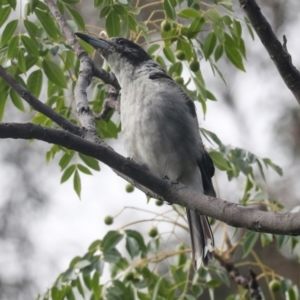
(121, 42)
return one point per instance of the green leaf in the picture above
(132, 247)
(79, 287)
(30, 61)
(209, 45)
(48, 23)
(276, 168)
(13, 47)
(214, 15)
(76, 17)
(169, 9)
(153, 48)
(70, 1)
(232, 53)
(13, 4)
(119, 9)
(31, 28)
(189, 13)
(16, 100)
(219, 161)
(4, 14)
(30, 45)
(249, 242)
(112, 24)
(213, 136)
(95, 285)
(105, 11)
(169, 54)
(21, 62)
(195, 27)
(156, 289)
(138, 237)
(90, 162)
(67, 173)
(112, 256)
(54, 73)
(84, 169)
(65, 159)
(111, 239)
(34, 82)
(176, 69)
(77, 183)
(213, 283)
(266, 238)
(218, 52)
(4, 93)
(9, 31)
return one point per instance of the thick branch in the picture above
(278, 54)
(39, 105)
(232, 214)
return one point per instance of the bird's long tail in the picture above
(201, 238)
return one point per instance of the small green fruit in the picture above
(129, 188)
(159, 202)
(108, 220)
(153, 232)
(179, 80)
(165, 26)
(194, 65)
(180, 55)
(274, 285)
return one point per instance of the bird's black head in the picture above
(130, 51)
(117, 48)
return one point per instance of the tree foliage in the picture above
(180, 35)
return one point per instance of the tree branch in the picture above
(230, 213)
(277, 52)
(39, 105)
(108, 78)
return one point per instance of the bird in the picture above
(160, 129)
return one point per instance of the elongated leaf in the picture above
(84, 169)
(54, 73)
(189, 13)
(76, 17)
(21, 62)
(4, 13)
(209, 45)
(90, 162)
(249, 242)
(16, 100)
(67, 173)
(30, 45)
(111, 239)
(169, 9)
(13, 47)
(47, 23)
(9, 31)
(219, 161)
(65, 159)
(31, 28)
(112, 24)
(34, 82)
(77, 183)
(4, 93)
(70, 1)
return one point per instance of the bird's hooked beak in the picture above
(97, 43)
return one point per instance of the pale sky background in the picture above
(68, 225)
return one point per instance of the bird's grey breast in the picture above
(158, 128)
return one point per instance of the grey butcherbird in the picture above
(160, 128)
